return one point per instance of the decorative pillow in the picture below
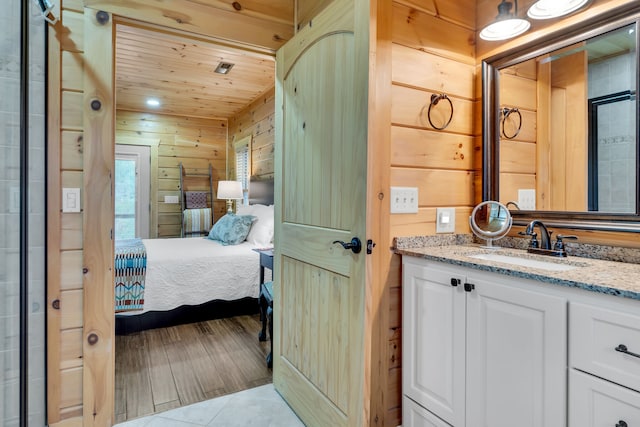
(261, 233)
(231, 229)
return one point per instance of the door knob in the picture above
(355, 245)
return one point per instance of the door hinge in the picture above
(370, 246)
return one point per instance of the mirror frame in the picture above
(611, 20)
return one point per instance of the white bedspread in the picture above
(192, 271)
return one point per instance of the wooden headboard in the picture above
(260, 191)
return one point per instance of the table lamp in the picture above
(230, 190)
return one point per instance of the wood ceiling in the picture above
(178, 70)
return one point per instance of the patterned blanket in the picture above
(130, 270)
(197, 222)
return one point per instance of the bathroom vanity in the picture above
(505, 338)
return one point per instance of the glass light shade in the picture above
(503, 29)
(229, 190)
(547, 9)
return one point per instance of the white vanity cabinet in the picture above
(480, 349)
(605, 360)
(433, 342)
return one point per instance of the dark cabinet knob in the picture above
(621, 424)
(454, 281)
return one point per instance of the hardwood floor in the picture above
(165, 368)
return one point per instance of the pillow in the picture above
(261, 233)
(231, 229)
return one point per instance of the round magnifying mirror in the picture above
(490, 221)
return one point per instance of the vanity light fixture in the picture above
(506, 25)
(547, 9)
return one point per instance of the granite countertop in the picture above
(608, 277)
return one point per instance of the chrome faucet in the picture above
(545, 234)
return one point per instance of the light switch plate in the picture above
(70, 200)
(404, 200)
(445, 220)
(527, 199)
(171, 199)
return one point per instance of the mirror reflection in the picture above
(568, 127)
(490, 220)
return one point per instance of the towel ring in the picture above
(506, 112)
(434, 101)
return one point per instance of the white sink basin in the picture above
(525, 262)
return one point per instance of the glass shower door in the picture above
(22, 216)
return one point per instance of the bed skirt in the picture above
(185, 314)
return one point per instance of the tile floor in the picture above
(259, 407)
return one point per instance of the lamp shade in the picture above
(229, 190)
(547, 9)
(506, 25)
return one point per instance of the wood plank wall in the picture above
(194, 142)
(433, 52)
(256, 120)
(65, 230)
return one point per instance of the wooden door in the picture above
(321, 168)
(433, 340)
(516, 356)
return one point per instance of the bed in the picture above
(194, 279)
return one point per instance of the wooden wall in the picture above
(433, 52)
(65, 230)
(256, 120)
(194, 142)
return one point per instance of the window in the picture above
(242, 149)
(132, 192)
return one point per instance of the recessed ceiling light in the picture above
(224, 67)
(152, 102)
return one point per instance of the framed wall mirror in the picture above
(561, 126)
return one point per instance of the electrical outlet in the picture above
(445, 220)
(527, 199)
(404, 200)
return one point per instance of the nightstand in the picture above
(266, 300)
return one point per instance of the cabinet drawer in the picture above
(594, 402)
(414, 415)
(597, 335)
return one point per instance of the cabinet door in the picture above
(414, 415)
(595, 402)
(516, 356)
(434, 341)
